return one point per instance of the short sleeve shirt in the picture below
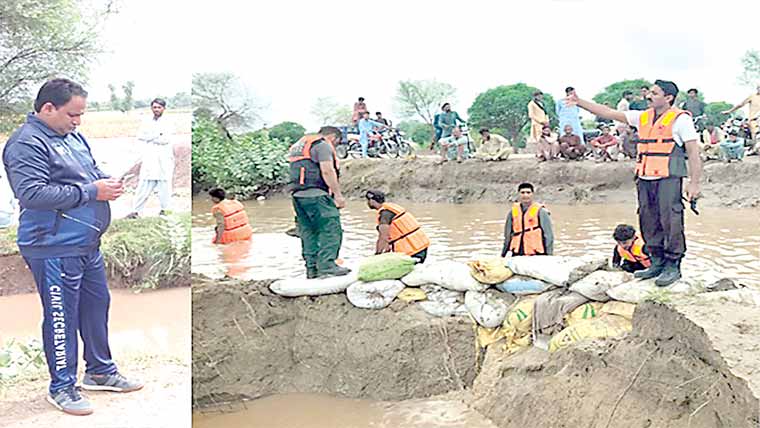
(319, 153)
(683, 129)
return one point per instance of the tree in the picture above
(224, 98)
(612, 94)
(505, 107)
(751, 64)
(114, 98)
(128, 102)
(713, 113)
(43, 39)
(420, 133)
(328, 111)
(287, 132)
(422, 98)
(180, 100)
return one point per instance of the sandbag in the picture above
(623, 309)
(583, 312)
(411, 295)
(385, 266)
(595, 285)
(637, 291)
(597, 328)
(442, 302)
(491, 271)
(557, 270)
(743, 296)
(487, 310)
(449, 274)
(521, 285)
(294, 287)
(373, 295)
(520, 315)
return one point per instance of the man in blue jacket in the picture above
(64, 212)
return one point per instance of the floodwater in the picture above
(321, 411)
(718, 245)
(153, 322)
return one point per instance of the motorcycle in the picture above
(380, 146)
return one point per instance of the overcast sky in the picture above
(292, 52)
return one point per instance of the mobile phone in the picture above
(126, 177)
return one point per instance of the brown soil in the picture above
(18, 279)
(561, 182)
(692, 364)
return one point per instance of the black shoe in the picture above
(658, 265)
(334, 271)
(670, 274)
(311, 273)
(132, 216)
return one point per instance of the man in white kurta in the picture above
(157, 169)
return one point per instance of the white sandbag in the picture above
(557, 270)
(488, 310)
(294, 287)
(442, 302)
(637, 291)
(448, 274)
(595, 285)
(375, 294)
(743, 296)
(522, 285)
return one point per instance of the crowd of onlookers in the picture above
(609, 142)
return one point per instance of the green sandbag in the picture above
(385, 266)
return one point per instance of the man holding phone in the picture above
(157, 168)
(64, 212)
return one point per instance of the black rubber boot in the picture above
(670, 274)
(311, 273)
(658, 265)
(334, 271)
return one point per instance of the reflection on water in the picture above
(717, 246)
(156, 321)
(321, 411)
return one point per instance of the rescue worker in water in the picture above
(397, 229)
(231, 220)
(630, 253)
(528, 229)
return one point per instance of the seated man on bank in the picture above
(570, 145)
(528, 230)
(712, 136)
(630, 253)
(397, 229)
(494, 147)
(456, 141)
(733, 147)
(605, 146)
(231, 220)
(547, 148)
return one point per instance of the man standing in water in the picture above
(64, 212)
(316, 200)
(667, 138)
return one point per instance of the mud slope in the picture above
(249, 343)
(559, 182)
(669, 372)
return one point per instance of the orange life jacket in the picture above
(658, 153)
(304, 171)
(528, 236)
(636, 254)
(236, 227)
(405, 233)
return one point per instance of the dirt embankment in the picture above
(561, 182)
(687, 364)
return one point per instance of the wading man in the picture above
(316, 201)
(667, 138)
(528, 229)
(64, 201)
(397, 229)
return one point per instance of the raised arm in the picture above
(597, 109)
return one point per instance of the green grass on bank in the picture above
(150, 252)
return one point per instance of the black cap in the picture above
(376, 195)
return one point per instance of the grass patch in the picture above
(150, 252)
(146, 253)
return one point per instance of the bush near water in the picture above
(145, 253)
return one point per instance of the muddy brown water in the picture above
(156, 322)
(721, 243)
(322, 411)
